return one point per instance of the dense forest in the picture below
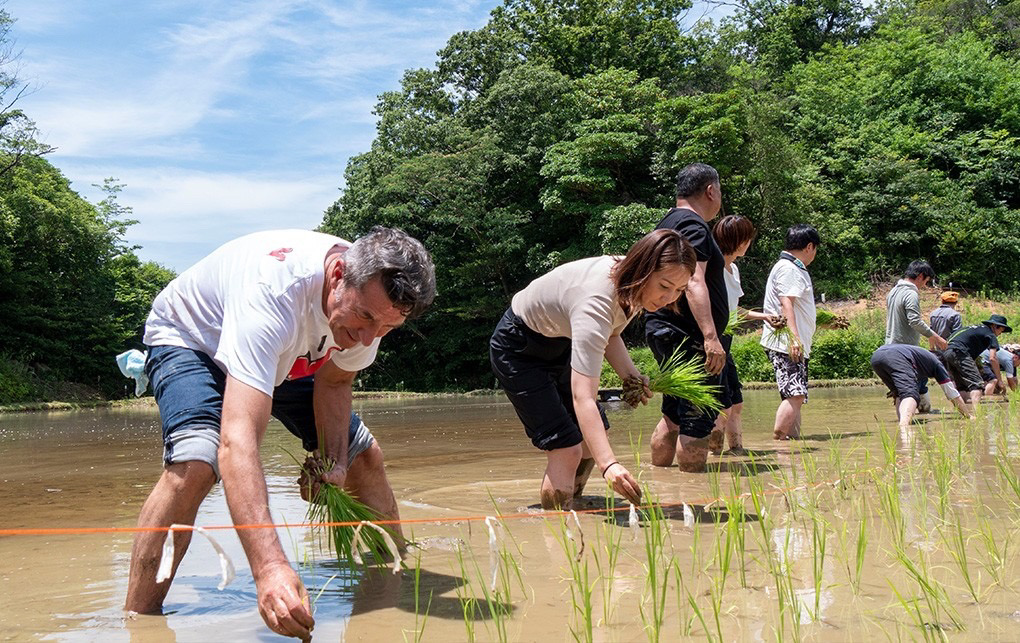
(555, 132)
(72, 293)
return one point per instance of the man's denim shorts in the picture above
(188, 387)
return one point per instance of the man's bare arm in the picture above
(701, 309)
(332, 398)
(282, 599)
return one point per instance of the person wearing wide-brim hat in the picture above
(964, 348)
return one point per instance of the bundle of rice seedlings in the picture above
(784, 335)
(824, 317)
(736, 320)
(685, 379)
(332, 504)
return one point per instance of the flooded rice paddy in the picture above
(858, 531)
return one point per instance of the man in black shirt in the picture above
(697, 329)
(964, 348)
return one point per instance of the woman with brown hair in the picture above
(734, 235)
(547, 353)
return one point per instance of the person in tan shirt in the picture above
(547, 353)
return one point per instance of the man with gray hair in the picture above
(273, 323)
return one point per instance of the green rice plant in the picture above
(607, 539)
(468, 604)
(491, 601)
(725, 543)
(581, 589)
(735, 321)
(683, 602)
(956, 545)
(657, 564)
(819, 538)
(996, 548)
(939, 463)
(334, 505)
(933, 594)
(420, 618)
(735, 522)
(862, 546)
(889, 492)
(685, 379)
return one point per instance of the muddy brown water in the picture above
(448, 458)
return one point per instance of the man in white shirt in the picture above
(789, 292)
(235, 339)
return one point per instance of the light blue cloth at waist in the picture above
(132, 364)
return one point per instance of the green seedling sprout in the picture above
(685, 379)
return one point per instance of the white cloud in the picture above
(221, 117)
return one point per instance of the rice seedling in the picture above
(735, 522)
(331, 505)
(581, 589)
(735, 321)
(862, 547)
(996, 544)
(607, 539)
(819, 538)
(685, 379)
(656, 534)
(684, 601)
(826, 318)
(956, 545)
(420, 617)
(494, 602)
(469, 607)
(934, 595)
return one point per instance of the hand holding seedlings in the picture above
(635, 390)
(622, 482)
(776, 321)
(315, 472)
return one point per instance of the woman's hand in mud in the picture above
(635, 390)
(623, 483)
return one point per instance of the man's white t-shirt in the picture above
(787, 279)
(255, 307)
(734, 292)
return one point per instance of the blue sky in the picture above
(221, 117)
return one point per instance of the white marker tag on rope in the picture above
(491, 522)
(688, 516)
(634, 522)
(580, 535)
(387, 540)
(166, 562)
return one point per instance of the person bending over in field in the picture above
(965, 347)
(547, 353)
(235, 339)
(734, 235)
(1008, 360)
(903, 368)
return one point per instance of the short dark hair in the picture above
(733, 231)
(694, 179)
(918, 268)
(800, 235)
(652, 252)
